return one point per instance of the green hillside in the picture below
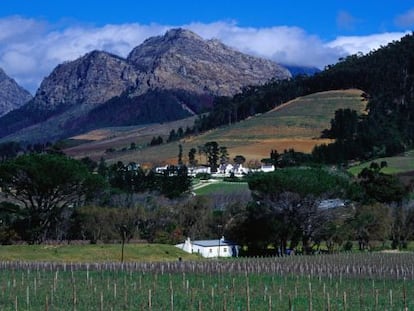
(296, 124)
(92, 253)
(395, 165)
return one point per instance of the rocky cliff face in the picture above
(178, 61)
(12, 95)
(92, 79)
(181, 59)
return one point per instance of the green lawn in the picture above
(92, 253)
(220, 187)
(398, 164)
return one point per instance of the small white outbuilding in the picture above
(210, 248)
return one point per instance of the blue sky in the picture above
(35, 36)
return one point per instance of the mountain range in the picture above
(12, 96)
(163, 79)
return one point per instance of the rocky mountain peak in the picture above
(3, 75)
(175, 74)
(12, 95)
(93, 78)
(181, 33)
(181, 59)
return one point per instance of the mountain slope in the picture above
(179, 69)
(92, 79)
(182, 59)
(12, 95)
(296, 124)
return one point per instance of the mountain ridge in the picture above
(12, 95)
(178, 61)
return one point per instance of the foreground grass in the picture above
(334, 282)
(93, 253)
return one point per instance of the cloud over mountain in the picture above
(30, 49)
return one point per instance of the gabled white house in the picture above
(225, 169)
(210, 248)
(239, 170)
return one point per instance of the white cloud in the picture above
(30, 49)
(364, 44)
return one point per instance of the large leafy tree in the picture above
(47, 187)
(286, 203)
(381, 187)
(343, 126)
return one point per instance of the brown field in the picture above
(296, 124)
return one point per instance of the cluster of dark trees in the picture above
(53, 197)
(386, 76)
(131, 178)
(10, 149)
(41, 192)
(303, 206)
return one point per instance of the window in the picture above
(225, 249)
(211, 250)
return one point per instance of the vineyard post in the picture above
(219, 231)
(344, 301)
(27, 298)
(310, 296)
(149, 299)
(405, 296)
(328, 302)
(390, 299)
(248, 292)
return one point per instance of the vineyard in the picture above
(371, 281)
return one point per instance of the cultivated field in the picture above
(296, 124)
(370, 281)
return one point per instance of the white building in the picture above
(266, 168)
(193, 171)
(210, 248)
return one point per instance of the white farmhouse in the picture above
(210, 248)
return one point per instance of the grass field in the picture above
(93, 253)
(296, 124)
(370, 281)
(220, 187)
(395, 165)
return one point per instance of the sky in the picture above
(36, 36)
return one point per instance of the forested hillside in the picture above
(385, 75)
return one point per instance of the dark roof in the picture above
(211, 243)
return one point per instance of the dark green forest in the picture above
(386, 76)
(50, 197)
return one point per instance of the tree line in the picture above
(53, 197)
